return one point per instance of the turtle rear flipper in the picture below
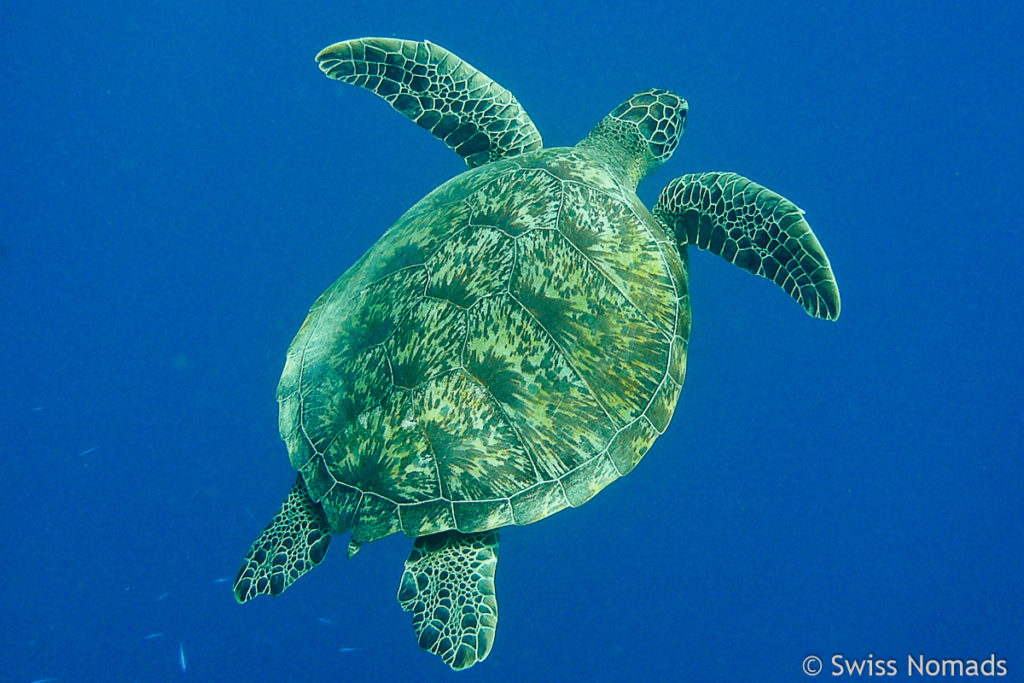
(448, 585)
(460, 105)
(754, 228)
(294, 542)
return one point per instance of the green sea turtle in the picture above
(514, 343)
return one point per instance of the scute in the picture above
(384, 453)
(584, 482)
(488, 361)
(607, 239)
(614, 348)
(414, 360)
(517, 202)
(536, 387)
(478, 454)
(469, 267)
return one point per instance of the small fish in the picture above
(153, 636)
(181, 657)
(223, 579)
(322, 620)
(87, 451)
(349, 649)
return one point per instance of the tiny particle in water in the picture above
(87, 451)
(45, 680)
(323, 620)
(162, 596)
(39, 409)
(181, 656)
(349, 649)
(223, 579)
(153, 636)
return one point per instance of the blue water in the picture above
(180, 183)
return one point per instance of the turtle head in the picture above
(640, 134)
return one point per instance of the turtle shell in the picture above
(512, 345)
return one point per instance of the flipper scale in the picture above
(754, 228)
(460, 105)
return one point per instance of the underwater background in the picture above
(180, 183)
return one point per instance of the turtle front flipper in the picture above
(461, 106)
(448, 585)
(756, 229)
(294, 542)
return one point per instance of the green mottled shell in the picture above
(513, 344)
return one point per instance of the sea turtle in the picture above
(514, 343)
